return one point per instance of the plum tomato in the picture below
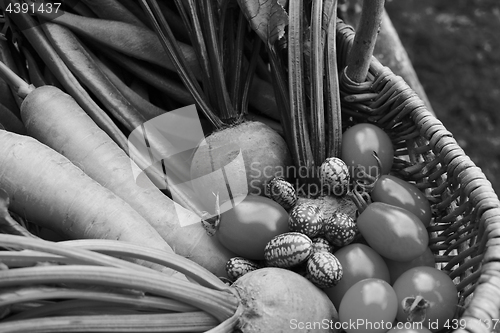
(396, 268)
(358, 144)
(394, 232)
(371, 304)
(397, 192)
(250, 225)
(359, 262)
(432, 295)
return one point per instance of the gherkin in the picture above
(306, 218)
(282, 192)
(334, 176)
(324, 269)
(288, 250)
(340, 229)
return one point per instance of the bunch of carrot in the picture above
(85, 113)
(75, 85)
(80, 81)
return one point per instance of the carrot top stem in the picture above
(22, 87)
(56, 66)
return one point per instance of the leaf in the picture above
(267, 18)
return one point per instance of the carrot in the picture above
(83, 67)
(163, 83)
(136, 41)
(139, 87)
(149, 111)
(79, 7)
(82, 64)
(35, 36)
(142, 43)
(51, 79)
(47, 189)
(10, 122)
(113, 10)
(56, 119)
(7, 58)
(8, 98)
(35, 73)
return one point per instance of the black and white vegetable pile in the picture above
(314, 233)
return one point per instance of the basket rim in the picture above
(483, 309)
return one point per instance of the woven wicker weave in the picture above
(465, 233)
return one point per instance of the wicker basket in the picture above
(465, 233)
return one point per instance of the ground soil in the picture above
(454, 46)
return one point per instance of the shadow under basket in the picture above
(465, 232)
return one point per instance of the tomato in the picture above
(371, 304)
(397, 192)
(435, 287)
(396, 268)
(393, 232)
(359, 262)
(250, 225)
(358, 144)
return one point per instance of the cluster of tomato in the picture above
(391, 276)
(388, 275)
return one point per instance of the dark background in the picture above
(454, 46)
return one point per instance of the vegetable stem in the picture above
(224, 104)
(56, 65)
(220, 304)
(200, 47)
(250, 75)
(138, 323)
(113, 10)
(20, 86)
(317, 72)
(35, 73)
(180, 264)
(360, 55)
(132, 299)
(172, 48)
(79, 255)
(81, 63)
(333, 106)
(301, 148)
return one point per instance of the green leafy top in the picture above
(268, 18)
